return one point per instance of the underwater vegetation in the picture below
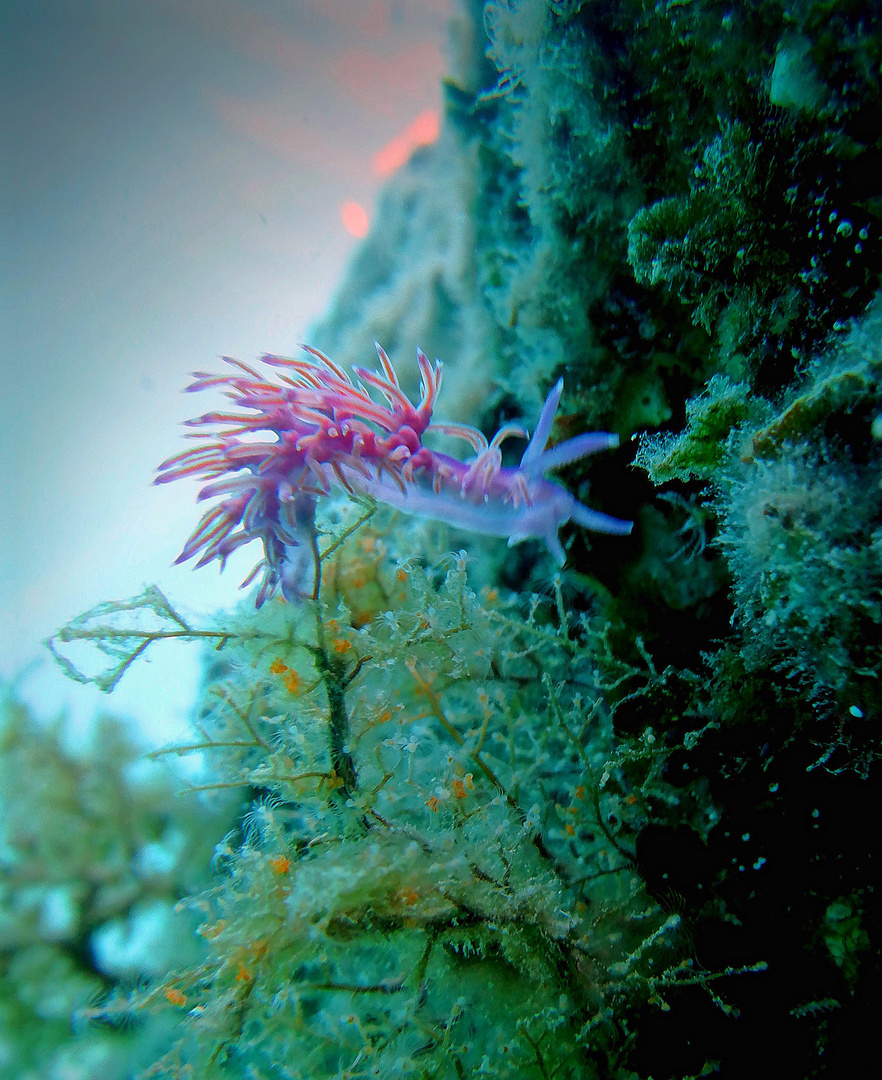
(435, 869)
(96, 850)
(501, 818)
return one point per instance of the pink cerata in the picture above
(326, 431)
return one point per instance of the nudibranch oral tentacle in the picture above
(329, 432)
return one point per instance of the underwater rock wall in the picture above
(677, 207)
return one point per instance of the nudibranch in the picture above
(326, 430)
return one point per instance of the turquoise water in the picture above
(598, 802)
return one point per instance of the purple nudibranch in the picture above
(328, 431)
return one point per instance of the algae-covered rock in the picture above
(677, 207)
